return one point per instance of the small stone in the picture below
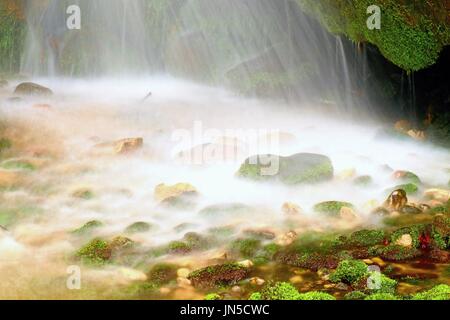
(257, 281)
(236, 289)
(290, 208)
(246, 263)
(183, 272)
(164, 192)
(296, 279)
(183, 282)
(405, 241)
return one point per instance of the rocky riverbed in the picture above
(173, 197)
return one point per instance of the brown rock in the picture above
(32, 89)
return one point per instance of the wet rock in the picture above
(32, 89)
(331, 208)
(409, 188)
(128, 145)
(439, 256)
(218, 275)
(296, 169)
(138, 227)
(183, 272)
(410, 209)
(405, 240)
(365, 238)
(396, 200)
(256, 281)
(88, 228)
(363, 181)
(290, 208)
(406, 177)
(179, 194)
(442, 195)
(312, 261)
(397, 253)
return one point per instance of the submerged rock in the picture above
(332, 208)
(218, 275)
(296, 169)
(32, 89)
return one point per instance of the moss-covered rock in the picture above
(279, 291)
(212, 296)
(331, 208)
(382, 296)
(406, 177)
(349, 272)
(218, 275)
(414, 231)
(96, 252)
(138, 227)
(88, 228)
(366, 238)
(409, 188)
(315, 295)
(355, 295)
(411, 35)
(439, 292)
(296, 169)
(395, 252)
(162, 273)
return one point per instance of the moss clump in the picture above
(18, 165)
(96, 252)
(331, 208)
(138, 227)
(366, 238)
(382, 296)
(407, 177)
(355, 295)
(296, 169)
(440, 231)
(280, 291)
(12, 34)
(247, 248)
(315, 295)
(218, 275)
(363, 181)
(414, 231)
(196, 241)
(5, 144)
(255, 296)
(87, 228)
(386, 284)
(394, 252)
(349, 271)
(411, 35)
(409, 188)
(212, 296)
(162, 273)
(439, 292)
(179, 247)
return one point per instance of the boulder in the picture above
(396, 200)
(32, 89)
(332, 208)
(128, 145)
(296, 169)
(218, 275)
(170, 193)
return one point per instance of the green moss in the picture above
(5, 144)
(315, 295)
(366, 238)
(331, 208)
(18, 165)
(212, 296)
(162, 273)
(218, 275)
(12, 35)
(179, 247)
(363, 181)
(386, 284)
(280, 291)
(255, 296)
(349, 271)
(96, 252)
(409, 188)
(382, 296)
(411, 35)
(409, 177)
(439, 292)
(88, 227)
(138, 227)
(394, 252)
(247, 248)
(355, 295)
(413, 231)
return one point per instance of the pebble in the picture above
(296, 279)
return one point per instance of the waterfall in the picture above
(258, 47)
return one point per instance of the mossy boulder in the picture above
(439, 292)
(315, 295)
(407, 177)
(440, 232)
(96, 252)
(395, 252)
(411, 36)
(365, 238)
(331, 208)
(218, 275)
(382, 296)
(355, 295)
(138, 227)
(296, 169)
(409, 188)
(32, 89)
(88, 228)
(279, 291)
(349, 272)
(162, 273)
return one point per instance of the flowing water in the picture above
(104, 96)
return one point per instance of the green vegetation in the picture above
(411, 36)
(413, 231)
(12, 34)
(280, 291)
(138, 227)
(331, 208)
(439, 292)
(213, 296)
(218, 275)
(382, 296)
(162, 273)
(349, 271)
(88, 228)
(366, 238)
(409, 188)
(96, 252)
(315, 295)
